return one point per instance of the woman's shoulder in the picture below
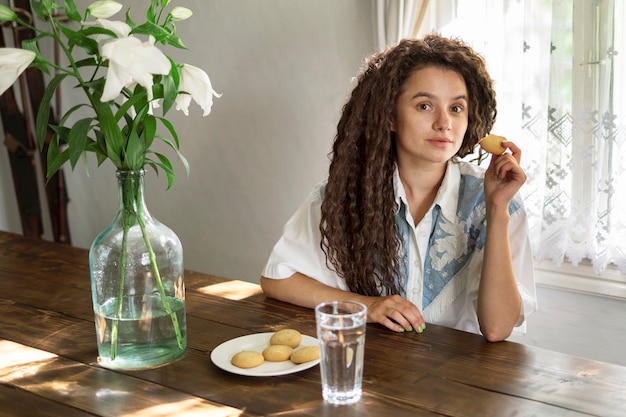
(471, 168)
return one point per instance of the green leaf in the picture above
(175, 41)
(170, 84)
(71, 11)
(47, 5)
(40, 62)
(129, 20)
(43, 115)
(95, 85)
(55, 159)
(181, 157)
(101, 158)
(184, 161)
(148, 28)
(85, 163)
(97, 30)
(135, 151)
(149, 123)
(151, 12)
(166, 166)
(37, 7)
(115, 142)
(101, 142)
(78, 38)
(78, 139)
(87, 62)
(164, 163)
(62, 133)
(69, 112)
(132, 101)
(172, 131)
(142, 105)
(136, 145)
(92, 146)
(31, 45)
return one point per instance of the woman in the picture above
(402, 224)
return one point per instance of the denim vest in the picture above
(451, 243)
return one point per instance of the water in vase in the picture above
(145, 335)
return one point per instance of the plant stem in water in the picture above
(132, 204)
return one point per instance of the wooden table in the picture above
(48, 353)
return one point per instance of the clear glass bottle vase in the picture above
(137, 284)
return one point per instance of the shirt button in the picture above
(416, 263)
(416, 291)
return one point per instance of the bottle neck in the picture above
(130, 186)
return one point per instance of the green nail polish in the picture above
(420, 330)
(401, 330)
(410, 328)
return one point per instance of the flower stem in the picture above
(120, 292)
(132, 206)
(157, 276)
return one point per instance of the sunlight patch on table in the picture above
(12, 353)
(18, 361)
(232, 290)
(188, 408)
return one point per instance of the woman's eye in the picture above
(457, 109)
(423, 106)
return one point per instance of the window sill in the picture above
(581, 278)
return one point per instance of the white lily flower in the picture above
(13, 62)
(121, 29)
(195, 83)
(179, 13)
(132, 62)
(104, 9)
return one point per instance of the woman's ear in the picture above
(392, 124)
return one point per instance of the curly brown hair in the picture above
(360, 237)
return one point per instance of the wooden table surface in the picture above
(48, 358)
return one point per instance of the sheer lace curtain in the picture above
(559, 71)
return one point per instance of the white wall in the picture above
(284, 68)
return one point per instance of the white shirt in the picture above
(445, 248)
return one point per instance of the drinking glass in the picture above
(341, 335)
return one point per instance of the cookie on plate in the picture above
(277, 353)
(247, 359)
(287, 337)
(305, 354)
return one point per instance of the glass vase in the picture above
(137, 284)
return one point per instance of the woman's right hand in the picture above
(395, 313)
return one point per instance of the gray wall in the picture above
(284, 68)
(579, 324)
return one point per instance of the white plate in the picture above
(222, 355)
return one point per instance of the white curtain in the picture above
(559, 71)
(397, 19)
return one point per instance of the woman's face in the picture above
(431, 116)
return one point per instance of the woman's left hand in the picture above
(504, 176)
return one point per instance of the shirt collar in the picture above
(447, 197)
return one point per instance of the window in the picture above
(559, 74)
